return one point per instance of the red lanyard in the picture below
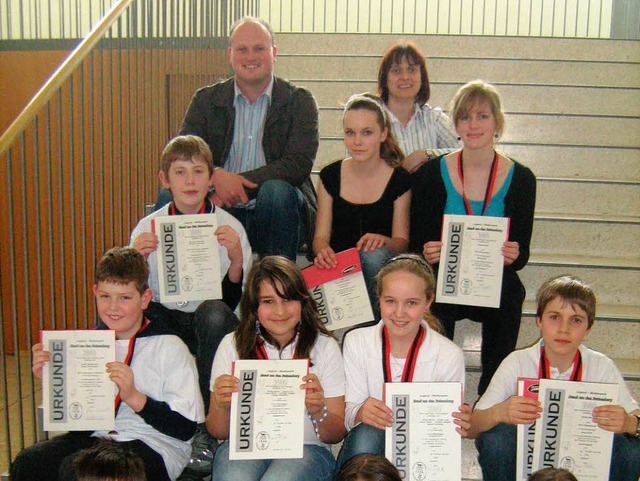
(544, 368)
(412, 356)
(261, 352)
(174, 211)
(129, 357)
(490, 184)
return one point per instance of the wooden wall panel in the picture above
(78, 180)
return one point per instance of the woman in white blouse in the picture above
(403, 85)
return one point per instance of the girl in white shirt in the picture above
(279, 320)
(403, 347)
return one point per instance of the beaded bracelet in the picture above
(315, 422)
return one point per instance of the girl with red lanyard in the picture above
(477, 180)
(403, 347)
(279, 320)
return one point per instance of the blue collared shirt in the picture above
(246, 151)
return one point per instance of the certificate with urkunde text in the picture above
(423, 443)
(188, 257)
(340, 293)
(525, 433)
(471, 260)
(268, 411)
(77, 394)
(566, 436)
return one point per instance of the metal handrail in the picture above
(63, 72)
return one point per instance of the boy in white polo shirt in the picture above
(186, 169)
(158, 405)
(565, 315)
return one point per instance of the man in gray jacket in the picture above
(263, 133)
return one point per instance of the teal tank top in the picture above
(455, 203)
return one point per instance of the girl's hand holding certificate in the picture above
(375, 413)
(314, 398)
(462, 419)
(223, 387)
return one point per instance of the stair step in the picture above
(604, 337)
(604, 312)
(373, 45)
(516, 98)
(594, 162)
(596, 235)
(584, 261)
(613, 285)
(452, 69)
(539, 129)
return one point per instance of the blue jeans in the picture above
(372, 262)
(497, 452)
(276, 224)
(497, 455)
(625, 459)
(363, 439)
(317, 463)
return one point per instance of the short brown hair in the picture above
(394, 55)
(368, 467)
(122, 265)
(416, 265)
(470, 94)
(570, 289)
(185, 147)
(552, 474)
(108, 461)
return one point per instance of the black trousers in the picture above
(201, 331)
(500, 327)
(52, 460)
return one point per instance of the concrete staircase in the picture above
(573, 116)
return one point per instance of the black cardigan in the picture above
(429, 197)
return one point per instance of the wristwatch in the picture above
(637, 435)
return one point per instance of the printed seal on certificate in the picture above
(262, 440)
(75, 411)
(567, 463)
(419, 471)
(187, 283)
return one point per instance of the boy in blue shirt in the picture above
(157, 383)
(565, 315)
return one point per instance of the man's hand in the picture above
(230, 188)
